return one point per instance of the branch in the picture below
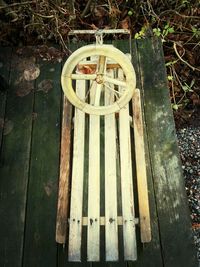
(87, 7)
(5, 5)
(184, 61)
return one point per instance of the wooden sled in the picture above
(99, 193)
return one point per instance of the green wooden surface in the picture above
(14, 168)
(29, 168)
(172, 207)
(5, 61)
(40, 247)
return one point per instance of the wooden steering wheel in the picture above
(99, 78)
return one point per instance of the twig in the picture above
(184, 61)
(43, 16)
(173, 93)
(86, 8)
(60, 35)
(181, 15)
(17, 4)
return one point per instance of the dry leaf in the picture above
(45, 86)
(31, 73)
(24, 88)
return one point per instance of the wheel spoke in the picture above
(113, 90)
(114, 81)
(83, 76)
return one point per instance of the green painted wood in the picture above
(172, 207)
(5, 61)
(40, 246)
(14, 164)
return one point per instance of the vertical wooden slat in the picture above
(93, 229)
(15, 131)
(145, 227)
(171, 201)
(63, 194)
(128, 213)
(111, 228)
(75, 228)
(43, 174)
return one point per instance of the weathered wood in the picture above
(111, 223)
(172, 207)
(75, 227)
(93, 241)
(128, 213)
(40, 247)
(65, 159)
(14, 162)
(142, 186)
(5, 62)
(92, 66)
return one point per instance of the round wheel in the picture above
(99, 78)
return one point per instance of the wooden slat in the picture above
(93, 229)
(111, 228)
(63, 194)
(14, 159)
(5, 61)
(75, 228)
(145, 227)
(128, 213)
(40, 248)
(172, 206)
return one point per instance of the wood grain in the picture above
(75, 226)
(111, 227)
(128, 213)
(142, 186)
(63, 192)
(93, 244)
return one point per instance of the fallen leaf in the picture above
(24, 88)
(45, 86)
(31, 73)
(125, 23)
(8, 127)
(86, 69)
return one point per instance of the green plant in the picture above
(196, 32)
(163, 32)
(140, 34)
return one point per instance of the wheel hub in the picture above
(99, 78)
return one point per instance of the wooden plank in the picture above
(5, 62)
(14, 160)
(111, 224)
(128, 213)
(94, 190)
(65, 155)
(75, 227)
(172, 206)
(40, 247)
(145, 227)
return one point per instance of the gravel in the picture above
(189, 146)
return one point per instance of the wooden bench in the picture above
(29, 166)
